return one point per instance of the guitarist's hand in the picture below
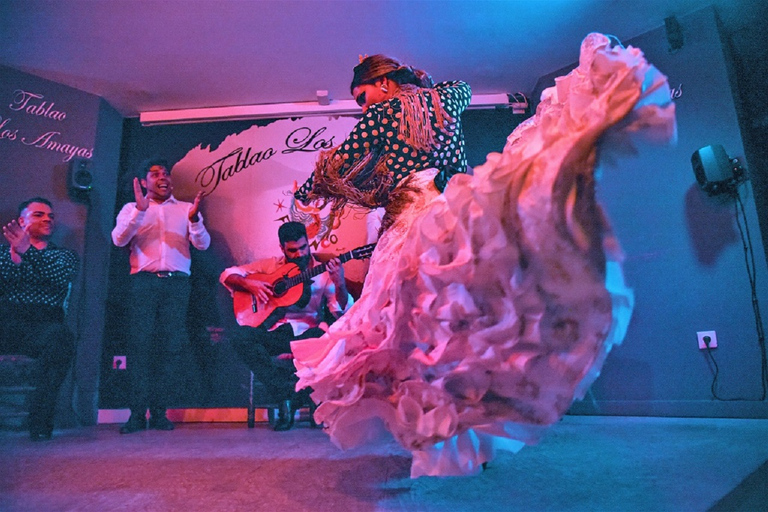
(259, 289)
(336, 271)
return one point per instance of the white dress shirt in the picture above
(159, 237)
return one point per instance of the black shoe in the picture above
(134, 424)
(285, 414)
(160, 423)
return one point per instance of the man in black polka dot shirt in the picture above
(35, 282)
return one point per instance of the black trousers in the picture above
(39, 332)
(259, 348)
(157, 337)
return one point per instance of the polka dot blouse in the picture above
(43, 277)
(378, 131)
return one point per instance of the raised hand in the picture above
(19, 239)
(193, 212)
(142, 201)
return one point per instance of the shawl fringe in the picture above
(369, 182)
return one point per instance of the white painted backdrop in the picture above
(249, 181)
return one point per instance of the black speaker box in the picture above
(80, 177)
(711, 164)
(714, 170)
(674, 31)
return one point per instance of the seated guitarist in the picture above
(266, 348)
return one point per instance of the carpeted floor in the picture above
(584, 463)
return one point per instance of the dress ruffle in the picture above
(488, 309)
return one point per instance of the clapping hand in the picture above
(142, 201)
(19, 239)
(193, 212)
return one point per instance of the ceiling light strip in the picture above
(281, 110)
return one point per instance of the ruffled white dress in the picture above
(488, 309)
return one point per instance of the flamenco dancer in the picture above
(488, 308)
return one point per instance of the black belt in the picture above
(167, 273)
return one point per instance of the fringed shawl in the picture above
(369, 182)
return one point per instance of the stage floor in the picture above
(584, 463)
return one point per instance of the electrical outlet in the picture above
(707, 339)
(118, 362)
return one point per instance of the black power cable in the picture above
(749, 258)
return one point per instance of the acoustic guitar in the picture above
(286, 290)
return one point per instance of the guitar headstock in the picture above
(363, 252)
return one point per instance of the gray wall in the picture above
(27, 170)
(684, 253)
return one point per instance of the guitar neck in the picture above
(315, 271)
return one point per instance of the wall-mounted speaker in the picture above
(80, 177)
(674, 33)
(715, 172)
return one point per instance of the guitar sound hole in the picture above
(279, 288)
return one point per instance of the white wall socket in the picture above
(703, 335)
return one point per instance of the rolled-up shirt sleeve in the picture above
(127, 225)
(266, 266)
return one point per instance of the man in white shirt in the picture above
(266, 348)
(159, 229)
